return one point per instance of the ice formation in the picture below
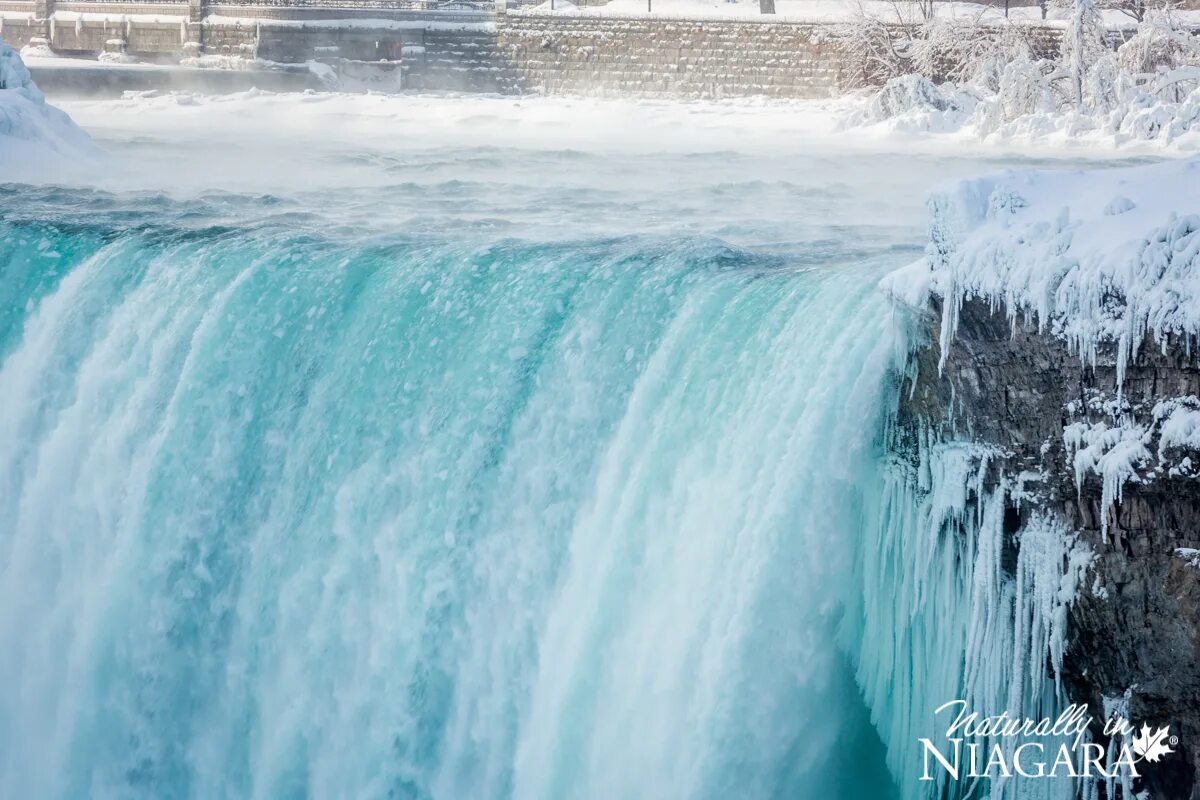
(1108, 262)
(1114, 453)
(1051, 247)
(30, 128)
(939, 607)
(1120, 449)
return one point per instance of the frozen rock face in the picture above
(31, 130)
(1057, 321)
(1135, 624)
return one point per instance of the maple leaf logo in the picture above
(1152, 746)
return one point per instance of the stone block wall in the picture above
(669, 57)
(91, 36)
(514, 52)
(461, 61)
(18, 31)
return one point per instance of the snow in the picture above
(118, 19)
(31, 130)
(357, 23)
(1112, 453)
(64, 62)
(1046, 247)
(1189, 554)
(1178, 422)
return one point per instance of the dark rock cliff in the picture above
(1135, 625)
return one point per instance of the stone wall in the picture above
(662, 56)
(508, 52)
(461, 61)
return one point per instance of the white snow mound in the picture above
(1105, 257)
(31, 130)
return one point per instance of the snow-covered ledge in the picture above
(1095, 258)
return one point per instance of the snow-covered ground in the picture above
(786, 10)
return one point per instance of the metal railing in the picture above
(68, 5)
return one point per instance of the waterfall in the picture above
(288, 514)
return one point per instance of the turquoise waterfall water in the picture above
(415, 518)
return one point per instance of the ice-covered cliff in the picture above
(30, 128)
(1061, 313)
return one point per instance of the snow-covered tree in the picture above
(969, 50)
(877, 48)
(1082, 44)
(1139, 9)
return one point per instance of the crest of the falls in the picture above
(422, 520)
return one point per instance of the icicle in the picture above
(941, 619)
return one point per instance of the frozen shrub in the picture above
(905, 94)
(1160, 43)
(1025, 88)
(966, 51)
(874, 51)
(915, 103)
(1105, 87)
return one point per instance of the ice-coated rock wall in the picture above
(1060, 319)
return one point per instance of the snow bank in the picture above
(31, 130)
(914, 104)
(1024, 108)
(1096, 258)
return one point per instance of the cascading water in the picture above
(295, 505)
(408, 519)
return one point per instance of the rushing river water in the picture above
(450, 448)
